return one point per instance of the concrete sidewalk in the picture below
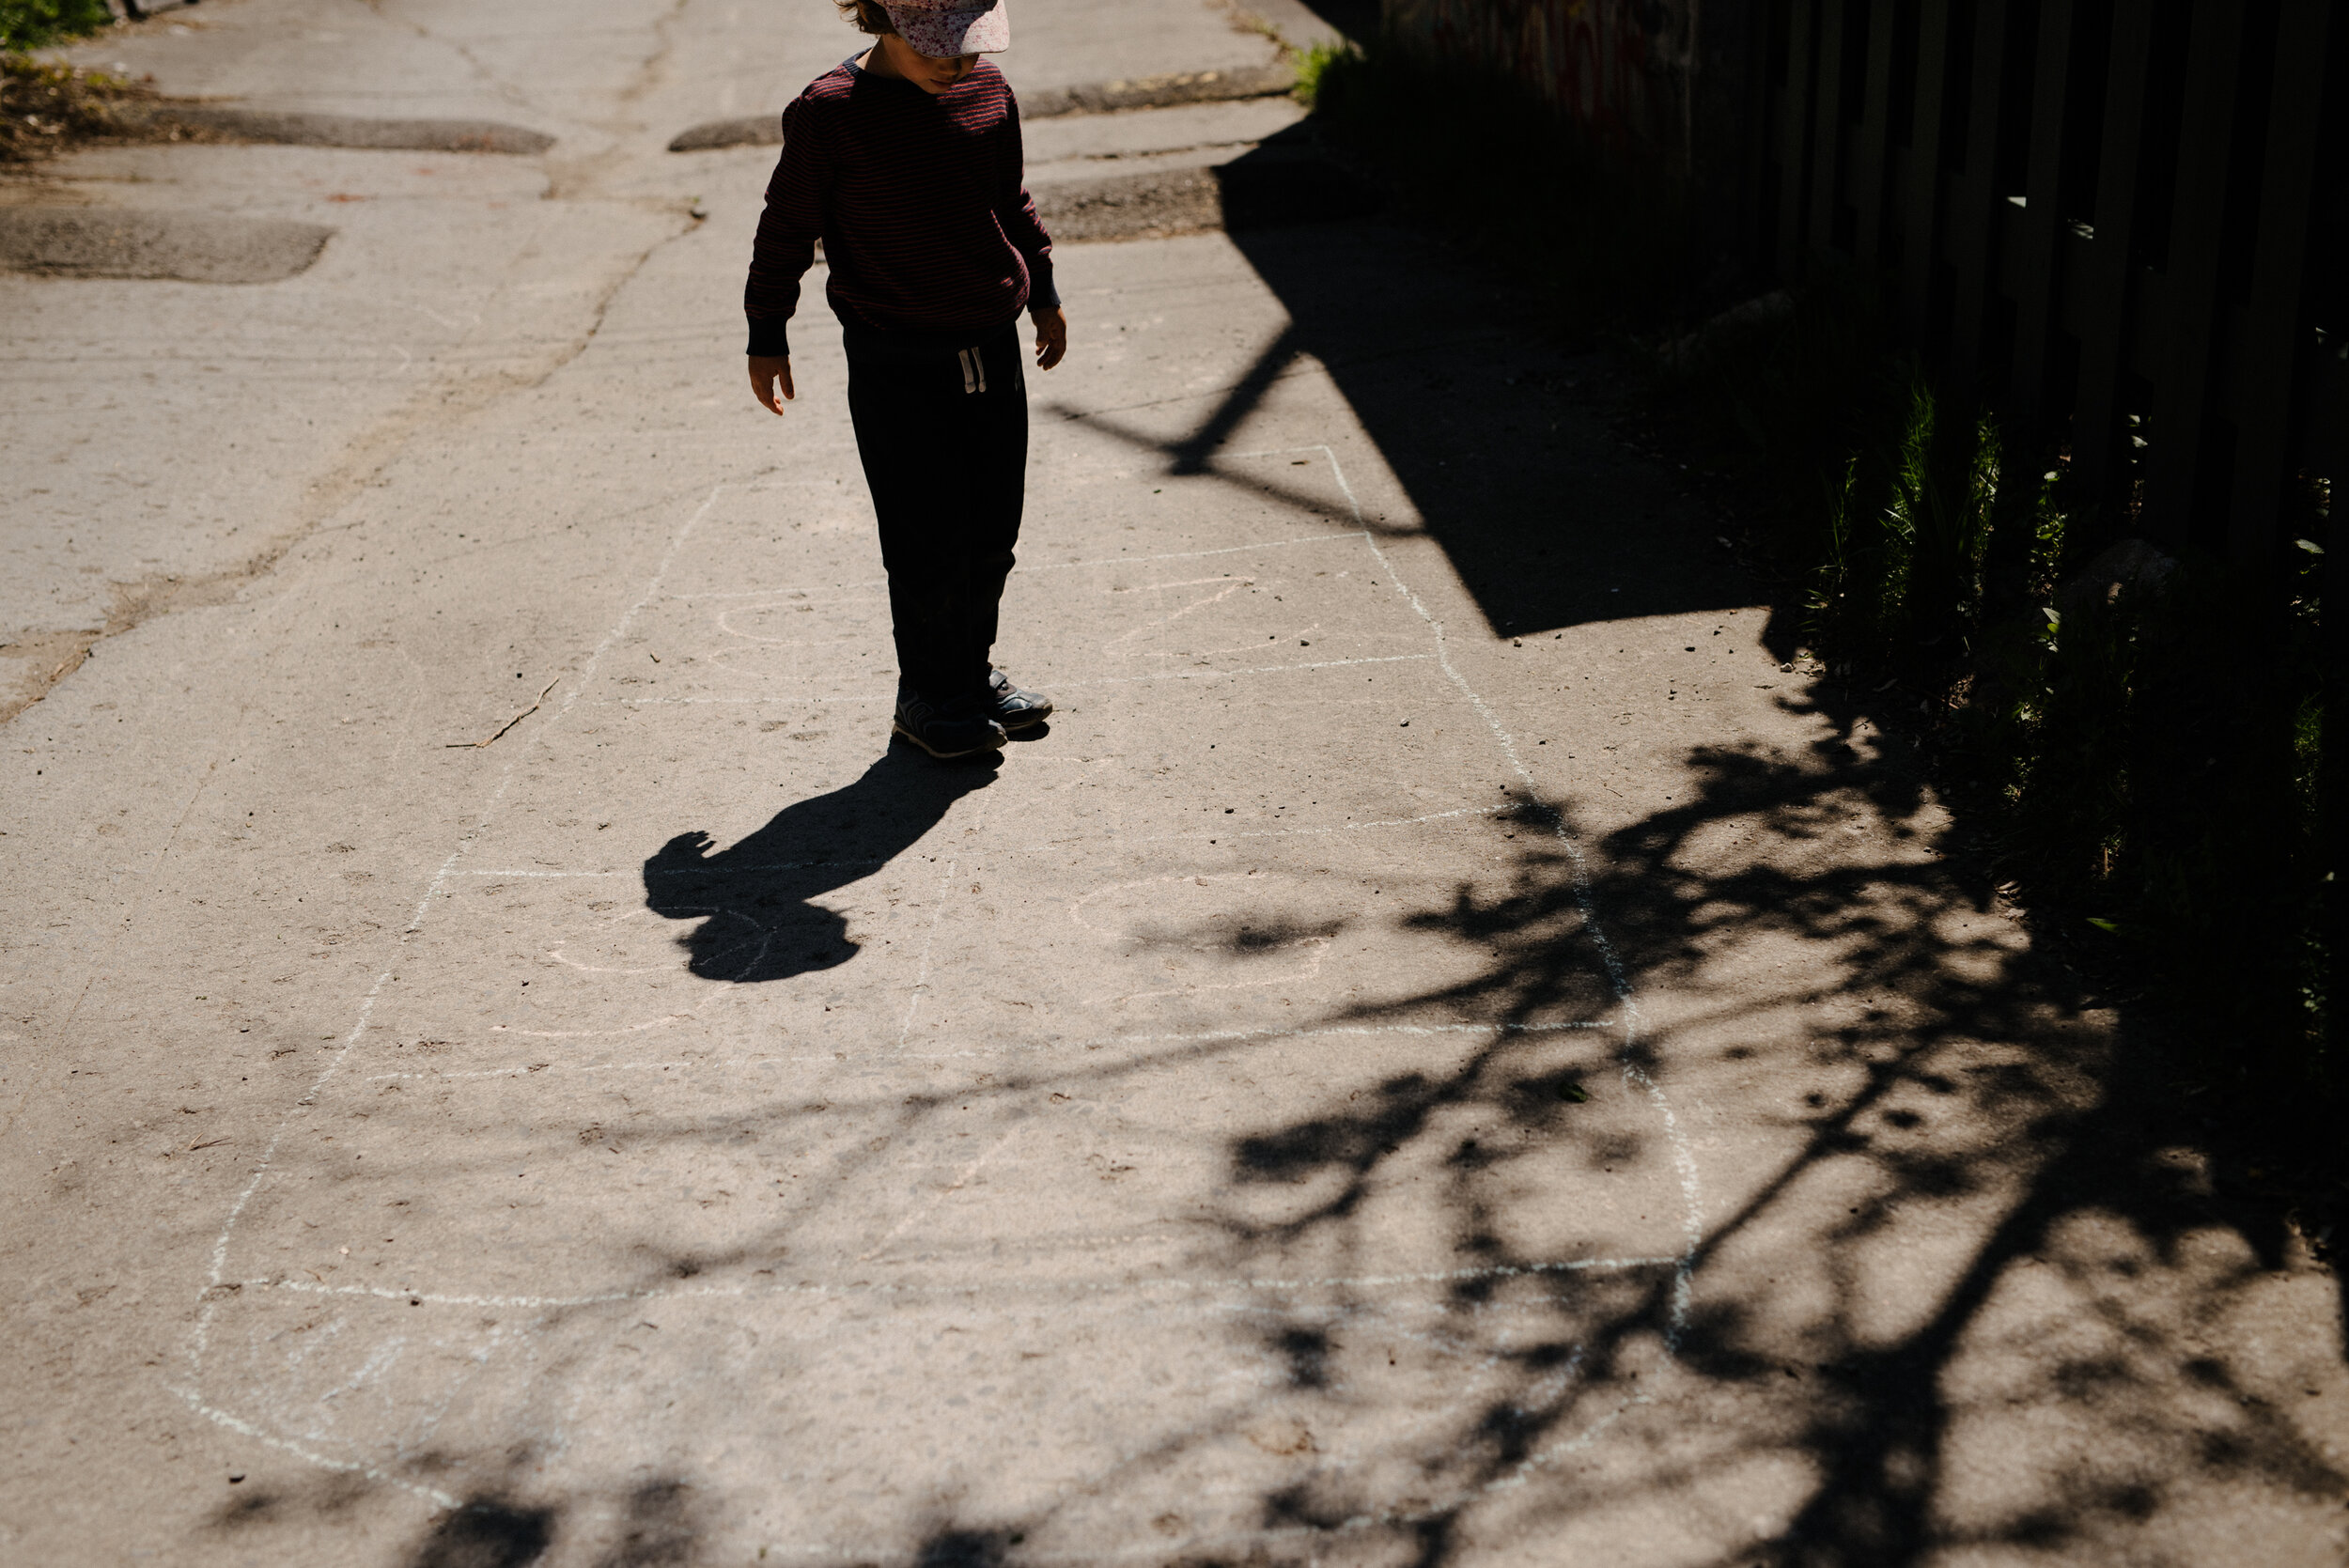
(1451, 1049)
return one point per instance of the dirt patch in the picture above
(45, 109)
(37, 661)
(116, 242)
(1131, 207)
(1271, 187)
(1161, 92)
(168, 120)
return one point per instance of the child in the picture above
(906, 163)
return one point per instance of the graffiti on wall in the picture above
(1618, 68)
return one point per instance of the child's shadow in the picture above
(753, 899)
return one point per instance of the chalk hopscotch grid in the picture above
(864, 590)
(218, 1288)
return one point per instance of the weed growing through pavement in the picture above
(35, 23)
(2138, 734)
(46, 108)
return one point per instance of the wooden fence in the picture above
(2119, 221)
(2122, 225)
(1617, 70)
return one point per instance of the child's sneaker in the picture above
(956, 730)
(1015, 709)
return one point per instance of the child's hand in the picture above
(766, 373)
(1052, 337)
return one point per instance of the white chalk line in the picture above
(1684, 1159)
(930, 940)
(200, 1335)
(1251, 669)
(570, 698)
(243, 1428)
(965, 1288)
(1194, 554)
(917, 1212)
(1049, 566)
(826, 1059)
(680, 871)
(1054, 848)
(1286, 832)
(786, 700)
(506, 874)
(1312, 1030)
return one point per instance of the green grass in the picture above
(2147, 766)
(34, 24)
(1314, 62)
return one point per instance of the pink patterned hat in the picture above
(944, 28)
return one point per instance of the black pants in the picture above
(945, 440)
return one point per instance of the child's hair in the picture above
(865, 16)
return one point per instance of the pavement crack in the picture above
(612, 291)
(47, 659)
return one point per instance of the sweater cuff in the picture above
(771, 338)
(1041, 294)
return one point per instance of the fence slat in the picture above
(2238, 397)
(1922, 221)
(1827, 126)
(2040, 221)
(2197, 229)
(1869, 169)
(2103, 282)
(2270, 338)
(1981, 206)
(1794, 129)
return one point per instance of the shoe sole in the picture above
(993, 744)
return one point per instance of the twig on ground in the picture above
(473, 745)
